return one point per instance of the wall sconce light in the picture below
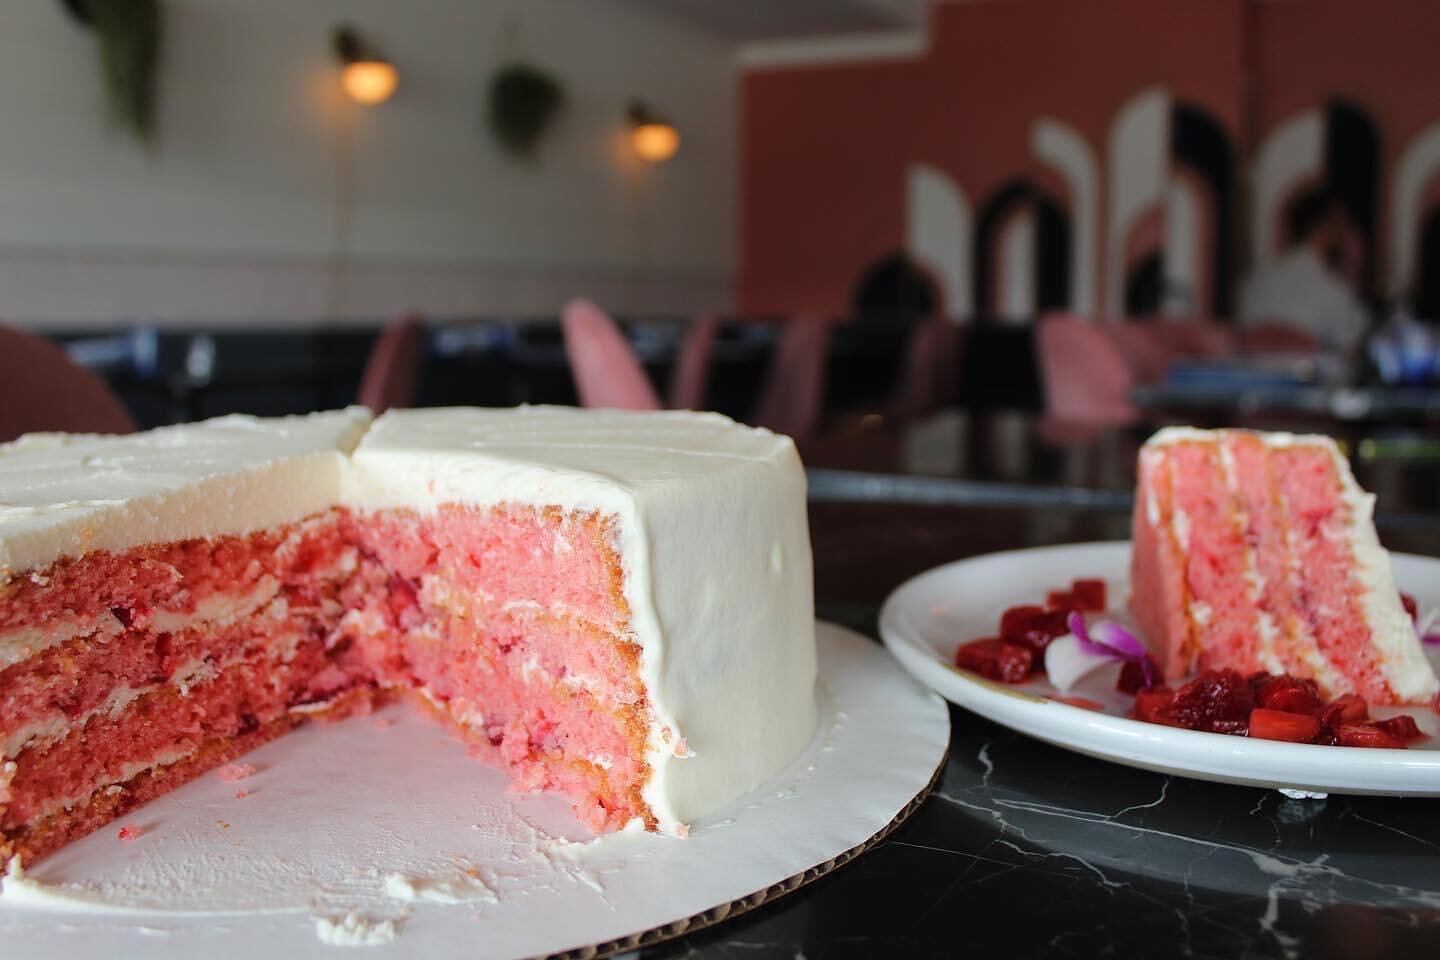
(366, 77)
(654, 139)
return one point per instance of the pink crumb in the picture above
(682, 831)
(241, 794)
(682, 749)
(233, 772)
(384, 723)
(128, 832)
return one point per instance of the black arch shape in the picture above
(1427, 267)
(1145, 287)
(1199, 141)
(1053, 239)
(1352, 171)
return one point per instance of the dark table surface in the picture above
(1027, 850)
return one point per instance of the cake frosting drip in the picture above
(708, 518)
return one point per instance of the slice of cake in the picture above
(1257, 551)
(615, 606)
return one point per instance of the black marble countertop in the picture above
(1024, 849)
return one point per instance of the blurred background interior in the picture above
(936, 242)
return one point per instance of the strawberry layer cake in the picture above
(1257, 552)
(615, 606)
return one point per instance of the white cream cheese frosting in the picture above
(711, 522)
(63, 495)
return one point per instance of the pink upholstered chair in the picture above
(1196, 339)
(394, 365)
(692, 364)
(929, 371)
(42, 389)
(792, 398)
(606, 370)
(1275, 337)
(1086, 378)
(1146, 354)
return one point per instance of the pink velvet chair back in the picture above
(1276, 337)
(931, 366)
(607, 373)
(394, 365)
(1086, 378)
(1195, 339)
(692, 364)
(793, 396)
(1148, 356)
(42, 389)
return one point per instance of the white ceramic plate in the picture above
(386, 818)
(924, 620)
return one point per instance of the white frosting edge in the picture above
(1402, 660)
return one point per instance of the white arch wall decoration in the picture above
(939, 231)
(1015, 268)
(1292, 153)
(1063, 147)
(1139, 159)
(1183, 256)
(1416, 167)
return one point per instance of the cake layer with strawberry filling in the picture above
(1257, 552)
(613, 606)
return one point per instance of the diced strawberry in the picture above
(1132, 677)
(1216, 700)
(1153, 705)
(1366, 735)
(1089, 594)
(1266, 724)
(1032, 626)
(1016, 620)
(1290, 694)
(996, 659)
(1061, 600)
(1346, 708)
(1402, 728)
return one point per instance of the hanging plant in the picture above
(524, 102)
(128, 36)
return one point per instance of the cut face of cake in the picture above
(1257, 551)
(613, 606)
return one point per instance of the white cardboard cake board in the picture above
(379, 832)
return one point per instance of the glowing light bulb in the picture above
(369, 81)
(656, 142)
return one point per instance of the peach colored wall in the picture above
(824, 149)
(1383, 55)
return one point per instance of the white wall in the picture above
(232, 216)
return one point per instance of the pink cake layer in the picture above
(171, 577)
(515, 618)
(1242, 559)
(167, 722)
(511, 622)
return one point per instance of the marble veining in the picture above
(1034, 851)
